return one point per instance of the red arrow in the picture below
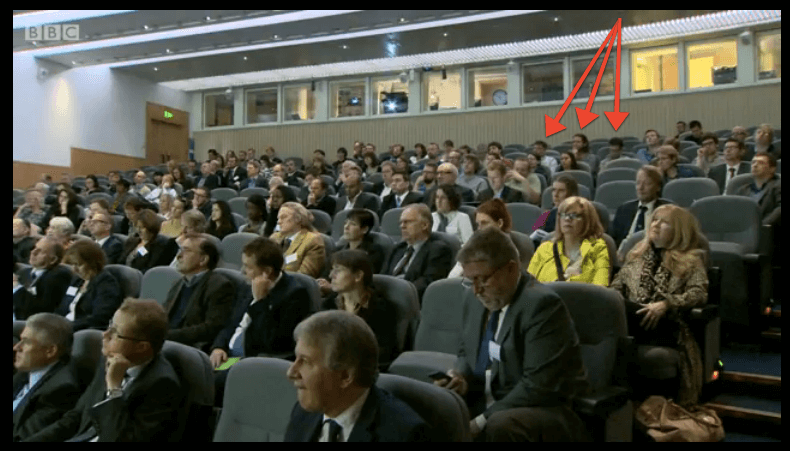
(553, 124)
(616, 117)
(585, 116)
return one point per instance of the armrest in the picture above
(705, 313)
(766, 243)
(603, 402)
(283, 355)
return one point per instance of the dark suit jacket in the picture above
(508, 195)
(375, 252)
(23, 248)
(97, 305)
(50, 289)
(327, 204)
(54, 395)
(234, 176)
(364, 200)
(771, 202)
(466, 194)
(383, 418)
(389, 202)
(719, 173)
(208, 311)
(540, 358)
(260, 182)
(206, 209)
(274, 319)
(113, 250)
(160, 252)
(625, 216)
(151, 409)
(212, 181)
(432, 262)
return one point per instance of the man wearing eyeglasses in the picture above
(447, 174)
(202, 201)
(100, 227)
(519, 364)
(708, 155)
(135, 395)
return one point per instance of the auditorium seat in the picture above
(197, 378)
(614, 194)
(698, 172)
(545, 197)
(403, 295)
(225, 194)
(390, 223)
(339, 221)
(232, 246)
(94, 196)
(632, 163)
(85, 355)
(238, 220)
(379, 238)
(451, 240)
(321, 221)
(684, 192)
(238, 205)
(313, 290)
(243, 287)
(130, 279)
(603, 215)
(523, 241)
(247, 192)
(329, 249)
(523, 216)
(376, 178)
(614, 174)
(157, 282)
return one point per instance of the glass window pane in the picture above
(487, 87)
(712, 63)
(299, 103)
(606, 88)
(654, 70)
(262, 106)
(218, 110)
(770, 65)
(348, 98)
(391, 96)
(441, 92)
(543, 82)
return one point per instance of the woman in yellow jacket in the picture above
(578, 244)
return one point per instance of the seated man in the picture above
(521, 373)
(199, 305)
(122, 195)
(45, 388)
(318, 198)
(420, 258)
(734, 150)
(207, 179)
(497, 171)
(23, 242)
(42, 286)
(139, 184)
(100, 228)
(615, 152)
(61, 229)
(354, 197)
(647, 154)
(635, 215)
(667, 159)
(427, 180)
(524, 180)
(335, 374)
(254, 177)
(447, 174)
(202, 202)
(766, 188)
(265, 325)
(547, 161)
(136, 395)
(400, 196)
(384, 188)
(234, 174)
(708, 155)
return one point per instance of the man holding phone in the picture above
(520, 372)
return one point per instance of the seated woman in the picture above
(256, 215)
(147, 248)
(94, 294)
(353, 291)
(221, 223)
(65, 205)
(173, 226)
(167, 186)
(165, 206)
(280, 194)
(92, 185)
(447, 218)
(179, 176)
(371, 164)
(568, 162)
(578, 253)
(420, 155)
(32, 210)
(402, 164)
(470, 179)
(356, 235)
(303, 247)
(582, 148)
(667, 160)
(664, 276)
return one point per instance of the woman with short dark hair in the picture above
(92, 185)
(147, 247)
(256, 215)
(447, 218)
(65, 205)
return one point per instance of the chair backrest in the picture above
(629, 243)
(632, 163)
(313, 290)
(547, 204)
(403, 295)
(444, 410)
(684, 192)
(441, 322)
(581, 176)
(197, 378)
(321, 221)
(243, 287)
(233, 244)
(157, 281)
(238, 205)
(414, 176)
(603, 215)
(225, 194)
(247, 192)
(451, 240)
(238, 220)
(737, 182)
(524, 245)
(733, 219)
(130, 279)
(86, 354)
(599, 317)
(614, 174)
(471, 212)
(689, 152)
(614, 194)
(376, 178)
(524, 216)
(390, 223)
(698, 172)
(339, 220)
(105, 196)
(242, 418)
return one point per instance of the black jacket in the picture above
(209, 308)
(718, 173)
(466, 194)
(54, 395)
(159, 252)
(49, 291)
(113, 250)
(625, 216)
(23, 248)
(97, 305)
(389, 201)
(508, 195)
(327, 204)
(364, 200)
(432, 262)
(234, 176)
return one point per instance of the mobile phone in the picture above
(439, 375)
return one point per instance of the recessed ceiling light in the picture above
(245, 58)
(168, 50)
(445, 35)
(402, 19)
(156, 69)
(276, 37)
(74, 63)
(145, 26)
(556, 19)
(345, 46)
(208, 18)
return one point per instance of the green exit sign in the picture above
(168, 115)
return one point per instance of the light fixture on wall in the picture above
(404, 77)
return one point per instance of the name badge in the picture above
(72, 291)
(236, 177)
(451, 229)
(290, 259)
(142, 251)
(493, 350)
(32, 290)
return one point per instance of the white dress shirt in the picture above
(458, 224)
(103, 240)
(727, 177)
(247, 319)
(481, 419)
(350, 202)
(385, 192)
(33, 379)
(346, 420)
(651, 206)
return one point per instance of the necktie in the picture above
(397, 201)
(732, 173)
(402, 263)
(483, 358)
(640, 220)
(334, 431)
(442, 223)
(33, 278)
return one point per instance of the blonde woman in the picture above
(578, 252)
(663, 277)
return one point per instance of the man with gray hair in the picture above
(45, 388)
(335, 373)
(60, 229)
(41, 287)
(447, 174)
(520, 374)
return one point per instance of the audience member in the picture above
(550, 163)
(766, 188)
(179, 176)
(294, 176)
(66, 206)
(681, 128)
(427, 179)
(568, 162)
(199, 305)
(139, 184)
(147, 248)
(45, 387)
(663, 277)
(94, 293)
(131, 209)
(234, 174)
(527, 394)
(402, 164)
(254, 177)
(535, 166)
(354, 197)
(447, 174)
(41, 287)
(470, 179)
(763, 141)
(122, 195)
(92, 185)
(302, 246)
(454, 157)
(421, 258)
(356, 236)
(400, 195)
(696, 132)
(132, 373)
(165, 187)
(207, 178)
(222, 222)
(113, 177)
(61, 230)
(522, 179)
(194, 172)
(256, 215)
(23, 242)
(166, 206)
(335, 374)
(217, 166)
(342, 156)
(173, 226)
(447, 218)
(420, 155)
(111, 245)
(667, 159)
(615, 152)
(581, 147)
(497, 172)
(653, 141)
(319, 199)
(158, 177)
(32, 209)
(370, 164)
(202, 201)
(739, 132)
(626, 220)
(279, 195)
(734, 150)
(708, 155)
(384, 188)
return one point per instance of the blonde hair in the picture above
(669, 151)
(683, 250)
(302, 215)
(768, 130)
(592, 230)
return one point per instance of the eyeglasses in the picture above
(571, 216)
(114, 333)
(480, 281)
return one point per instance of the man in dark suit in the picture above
(447, 174)
(338, 399)
(354, 197)
(254, 177)
(634, 216)
(100, 228)
(42, 286)
(207, 178)
(23, 242)
(766, 188)
(265, 324)
(293, 174)
(45, 388)
(136, 395)
(318, 199)
(519, 362)
(723, 173)
(200, 304)
(202, 201)
(234, 174)
(420, 258)
(400, 196)
(496, 178)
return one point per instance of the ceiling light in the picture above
(167, 50)
(156, 69)
(145, 26)
(445, 35)
(345, 46)
(208, 18)
(556, 18)
(276, 37)
(402, 19)
(245, 58)
(74, 63)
